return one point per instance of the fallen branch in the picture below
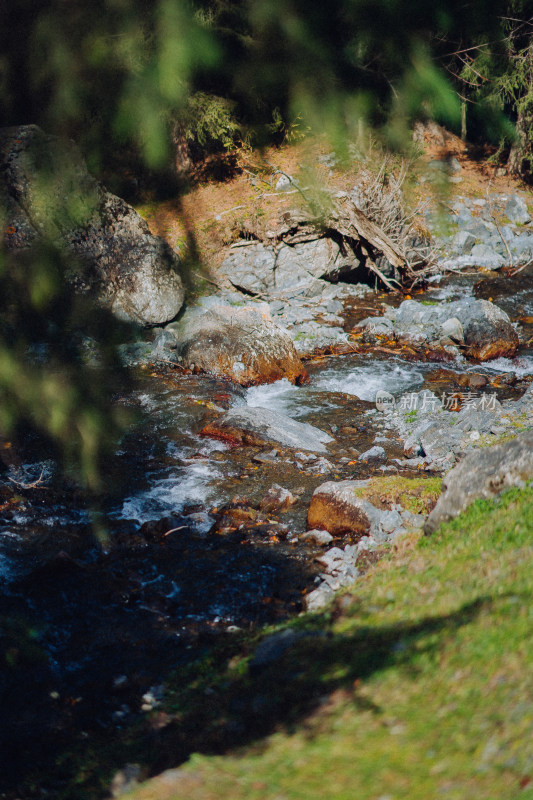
(37, 483)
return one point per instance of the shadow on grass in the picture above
(219, 711)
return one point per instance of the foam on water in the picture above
(278, 396)
(521, 365)
(194, 483)
(365, 380)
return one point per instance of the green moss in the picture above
(417, 495)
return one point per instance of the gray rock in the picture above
(251, 268)
(411, 520)
(164, 346)
(376, 453)
(332, 558)
(516, 210)
(316, 536)
(334, 306)
(377, 326)
(122, 265)
(299, 264)
(522, 245)
(463, 242)
(319, 598)
(483, 473)
(321, 467)
(292, 270)
(390, 521)
(311, 336)
(260, 426)
(485, 256)
(463, 217)
(452, 329)
(488, 332)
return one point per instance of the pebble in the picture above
(317, 537)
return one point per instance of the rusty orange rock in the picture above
(336, 508)
(242, 344)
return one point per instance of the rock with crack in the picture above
(242, 344)
(288, 270)
(483, 473)
(47, 194)
(261, 426)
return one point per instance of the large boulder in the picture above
(483, 473)
(486, 330)
(260, 426)
(242, 344)
(290, 270)
(46, 194)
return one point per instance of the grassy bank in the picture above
(417, 684)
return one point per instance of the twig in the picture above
(33, 485)
(519, 269)
(205, 278)
(173, 530)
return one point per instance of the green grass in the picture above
(417, 684)
(417, 495)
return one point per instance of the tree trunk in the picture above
(182, 156)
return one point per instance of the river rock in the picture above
(317, 536)
(277, 499)
(290, 270)
(463, 242)
(319, 598)
(49, 195)
(483, 473)
(487, 330)
(336, 508)
(242, 344)
(516, 210)
(376, 453)
(260, 426)
(483, 255)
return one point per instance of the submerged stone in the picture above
(260, 426)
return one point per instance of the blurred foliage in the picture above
(118, 70)
(494, 78)
(47, 335)
(208, 122)
(117, 75)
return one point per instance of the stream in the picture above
(102, 602)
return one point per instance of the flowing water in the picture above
(118, 593)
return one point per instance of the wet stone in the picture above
(317, 536)
(277, 499)
(260, 426)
